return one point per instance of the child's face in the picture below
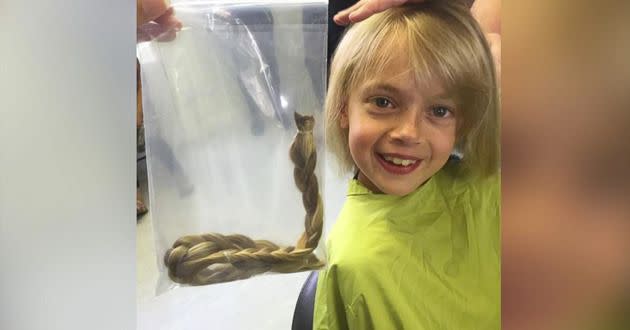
(400, 132)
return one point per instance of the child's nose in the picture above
(408, 129)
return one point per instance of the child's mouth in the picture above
(398, 164)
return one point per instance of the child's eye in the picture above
(382, 102)
(441, 111)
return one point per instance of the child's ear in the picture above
(343, 117)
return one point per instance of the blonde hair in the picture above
(215, 258)
(442, 41)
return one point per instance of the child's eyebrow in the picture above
(382, 87)
(440, 96)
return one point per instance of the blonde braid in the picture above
(215, 258)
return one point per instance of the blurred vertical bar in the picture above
(566, 165)
(67, 164)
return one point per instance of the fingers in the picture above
(162, 28)
(341, 18)
(366, 8)
(150, 31)
(372, 7)
(169, 20)
(153, 30)
(488, 14)
(148, 10)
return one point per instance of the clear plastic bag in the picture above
(220, 104)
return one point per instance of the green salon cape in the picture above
(426, 261)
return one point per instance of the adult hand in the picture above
(366, 8)
(156, 20)
(494, 41)
(488, 15)
(486, 12)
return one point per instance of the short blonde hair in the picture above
(442, 41)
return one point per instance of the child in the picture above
(416, 245)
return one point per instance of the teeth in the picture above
(399, 161)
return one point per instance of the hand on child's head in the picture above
(488, 15)
(366, 8)
(156, 20)
(494, 41)
(486, 12)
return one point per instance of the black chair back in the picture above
(303, 315)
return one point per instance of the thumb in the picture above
(148, 10)
(373, 7)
